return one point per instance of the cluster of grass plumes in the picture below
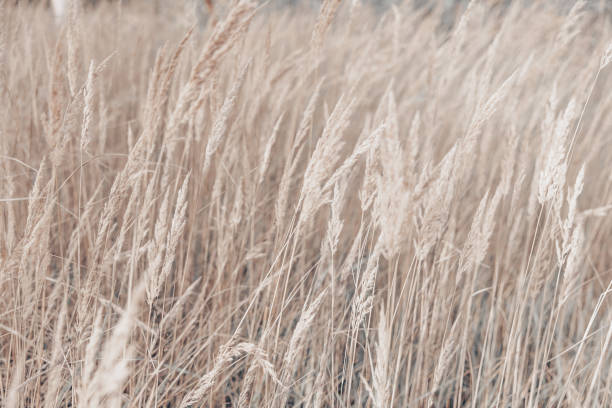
(290, 209)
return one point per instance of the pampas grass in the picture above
(282, 207)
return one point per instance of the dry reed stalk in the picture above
(507, 167)
(108, 381)
(329, 244)
(262, 362)
(437, 203)
(572, 264)
(3, 44)
(13, 392)
(244, 399)
(290, 165)
(56, 377)
(92, 281)
(155, 114)
(221, 125)
(324, 157)
(296, 344)
(364, 146)
(176, 230)
(178, 307)
(326, 15)
(11, 233)
(606, 58)
(73, 33)
(224, 37)
(156, 250)
(227, 354)
(393, 202)
(477, 241)
(364, 300)
(414, 149)
(90, 360)
(571, 26)
(353, 254)
(88, 109)
(53, 124)
(268, 149)
(552, 176)
(449, 347)
(571, 219)
(381, 385)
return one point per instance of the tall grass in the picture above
(283, 208)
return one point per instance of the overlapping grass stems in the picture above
(285, 209)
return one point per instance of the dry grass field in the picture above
(292, 208)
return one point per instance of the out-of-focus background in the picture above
(200, 10)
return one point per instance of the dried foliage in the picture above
(327, 208)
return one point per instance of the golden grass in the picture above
(292, 208)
